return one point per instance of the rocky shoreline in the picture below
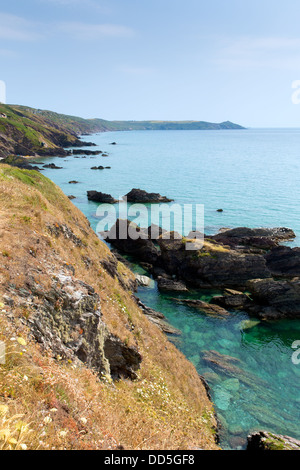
(255, 273)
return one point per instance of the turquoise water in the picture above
(253, 175)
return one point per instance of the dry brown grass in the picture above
(65, 405)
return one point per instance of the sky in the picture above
(155, 59)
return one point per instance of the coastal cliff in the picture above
(82, 366)
(27, 133)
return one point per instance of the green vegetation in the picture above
(25, 132)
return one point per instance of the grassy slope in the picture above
(26, 132)
(64, 406)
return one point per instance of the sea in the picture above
(253, 175)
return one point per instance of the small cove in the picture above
(254, 176)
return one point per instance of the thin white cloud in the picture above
(15, 28)
(272, 52)
(84, 4)
(87, 31)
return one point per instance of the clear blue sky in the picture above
(154, 59)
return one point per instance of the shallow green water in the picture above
(272, 401)
(254, 176)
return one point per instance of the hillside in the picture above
(26, 131)
(90, 126)
(84, 368)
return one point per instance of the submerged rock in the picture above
(209, 309)
(222, 398)
(232, 367)
(249, 324)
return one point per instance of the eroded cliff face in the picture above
(89, 347)
(68, 321)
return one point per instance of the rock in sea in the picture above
(141, 196)
(101, 197)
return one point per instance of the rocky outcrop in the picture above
(20, 162)
(144, 281)
(246, 265)
(52, 166)
(211, 267)
(141, 196)
(121, 238)
(170, 285)
(100, 167)
(158, 319)
(86, 152)
(264, 440)
(111, 265)
(275, 299)
(261, 238)
(284, 261)
(57, 229)
(68, 322)
(30, 133)
(233, 299)
(101, 197)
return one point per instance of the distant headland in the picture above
(32, 132)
